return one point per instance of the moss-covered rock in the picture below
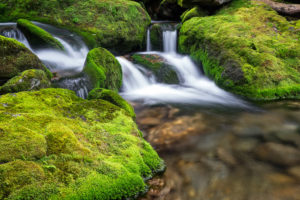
(159, 66)
(55, 145)
(247, 48)
(38, 37)
(15, 58)
(169, 9)
(118, 25)
(103, 69)
(112, 97)
(32, 79)
(194, 12)
(202, 3)
(156, 37)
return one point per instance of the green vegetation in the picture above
(103, 69)
(158, 66)
(112, 97)
(15, 58)
(118, 25)
(247, 48)
(37, 36)
(194, 12)
(156, 37)
(55, 145)
(32, 79)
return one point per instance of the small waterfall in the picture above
(66, 64)
(170, 41)
(194, 87)
(149, 39)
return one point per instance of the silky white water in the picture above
(194, 87)
(67, 63)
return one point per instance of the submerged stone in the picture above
(55, 145)
(38, 37)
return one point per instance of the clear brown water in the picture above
(221, 154)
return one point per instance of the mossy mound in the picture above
(247, 48)
(16, 58)
(112, 97)
(194, 12)
(32, 79)
(55, 145)
(38, 37)
(158, 65)
(118, 25)
(103, 69)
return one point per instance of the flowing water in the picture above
(66, 65)
(216, 146)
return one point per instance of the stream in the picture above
(216, 145)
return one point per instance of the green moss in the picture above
(194, 12)
(247, 48)
(156, 37)
(112, 97)
(32, 79)
(118, 25)
(16, 58)
(103, 69)
(155, 63)
(77, 149)
(38, 37)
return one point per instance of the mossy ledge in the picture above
(55, 145)
(118, 25)
(248, 49)
(37, 36)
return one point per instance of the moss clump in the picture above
(194, 12)
(156, 64)
(118, 25)
(38, 37)
(156, 37)
(32, 79)
(247, 48)
(112, 97)
(55, 145)
(103, 69)
(16, 58)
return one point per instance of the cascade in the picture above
(194, 87)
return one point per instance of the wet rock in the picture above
(156, 37)
(295, 172)
(157, 65)
(226, 156)
(278, 154)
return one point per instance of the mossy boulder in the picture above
(38, 37)
(55, 145)
(103, 69)
(169, 9)
(202, 3)
(248, 49)
(112, 97)
(194, 12)
(16, 58)
(156, 37)
(158, 65)
(32, 79)
(118, 25)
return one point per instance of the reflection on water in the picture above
(213, 154)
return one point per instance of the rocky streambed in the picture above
(218, 154)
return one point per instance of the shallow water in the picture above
(218, 154)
